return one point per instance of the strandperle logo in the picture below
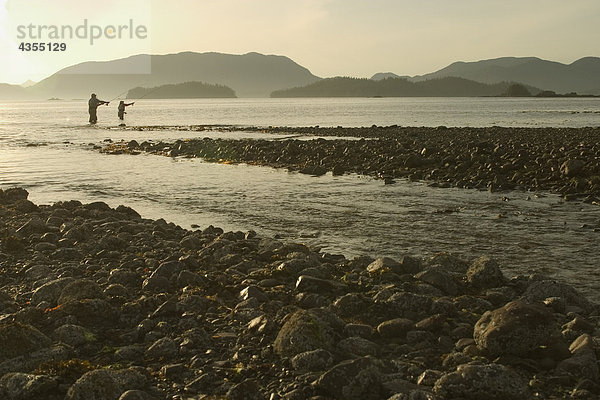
(87, 31)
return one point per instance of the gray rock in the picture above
(539, 291)
(189, 278)
(518, 328)
(50, 291)
(246, 390)
(36, 272)
(163, 347)
(310, 284)
(45, 247)
(360, 330)
(409, 305)
(135, 395)
(429, 377)
(73, 335)
(90, 312)
(473, 304)
(20, 386)
(125, 277)
(315, 360)
(407, 265)
(306, 331)
(132, 353)
(583, 362)
(253, 292)
(449, 263)
(395, 328)
(203, 383)
(358, 379)
(485, 273)
(32, 360)
(81, 289)
(116, 290)
(95, 385)
(440, 280)
(572, 168)
(156, 284)
(168, 269)
(350, 304)
(18, 339)
(357, 346)
(173, 372)
(415, 395)
(168, 308)
(191, 242)
(476, 382)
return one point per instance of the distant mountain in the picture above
(250, 75)
(12, 92)
(582, 76)
(384, 75)
(28, 83)
(187, 90)
(397, 87)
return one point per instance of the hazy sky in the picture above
(329, 37)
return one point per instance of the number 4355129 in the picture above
(26, 46)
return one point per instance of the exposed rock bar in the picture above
(561, 160)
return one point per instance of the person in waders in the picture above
(93, 104)
(122, 106)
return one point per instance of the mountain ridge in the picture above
(258, 75)
(250, 75)
(582, 75)
(398, 87)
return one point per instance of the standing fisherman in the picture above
(122, 106)
(93, 104)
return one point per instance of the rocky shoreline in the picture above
(561, 160)
(99, 303)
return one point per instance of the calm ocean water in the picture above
(46, 147)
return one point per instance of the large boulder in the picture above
(407, 265)
(50, 291)
(408, 305)
(485, 273)
(358, 379)
(95, 385)
(572, 168)
(81, 289)
(21, 386)
(518, 328)
(103, 384)
(19, 339)
(540, 290)
(306, 331)
(478, 382)
(583, 362)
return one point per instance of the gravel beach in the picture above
(99, 303)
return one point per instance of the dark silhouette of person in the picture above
(122, 106)
(93, 104)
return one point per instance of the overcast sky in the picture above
(329, 37)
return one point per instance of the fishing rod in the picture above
(119, 95)
(150, 92)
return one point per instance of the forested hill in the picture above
(397, 87)
(187, 90)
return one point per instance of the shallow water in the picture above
(351, 215)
